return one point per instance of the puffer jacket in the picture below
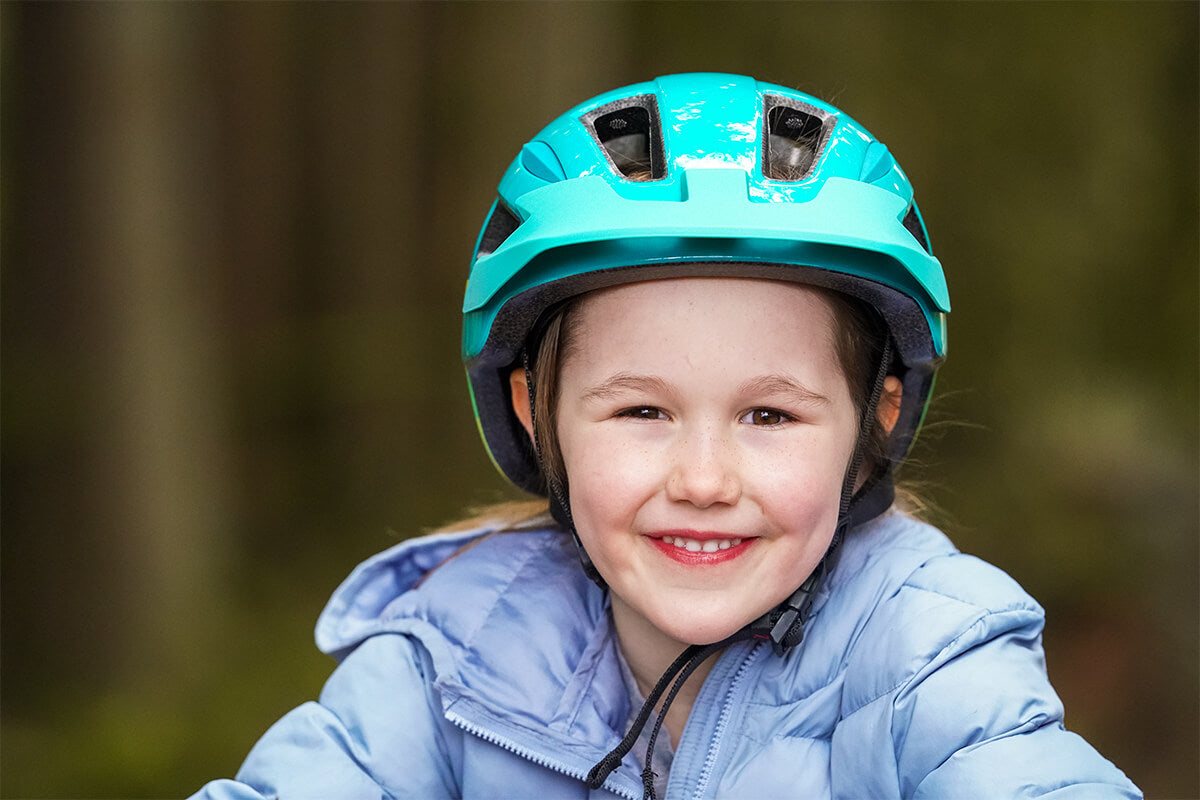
(495, 674)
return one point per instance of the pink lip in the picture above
(684, 556)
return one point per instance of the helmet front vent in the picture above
(912, 223)
(628, 133)
(793, 138)
(499, 226)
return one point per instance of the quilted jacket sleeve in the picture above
(952, 692)
(377, 732)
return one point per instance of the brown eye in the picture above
(765, 416)
(643, 412)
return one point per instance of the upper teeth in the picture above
(697, 546)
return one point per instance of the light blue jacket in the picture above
(496, 675)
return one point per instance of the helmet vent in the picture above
(912, 222)
(794, 137)
(628, 133)
(500, 226)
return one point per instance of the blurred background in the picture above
(234, 243)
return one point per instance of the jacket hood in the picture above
(519, 638)
(357, 608)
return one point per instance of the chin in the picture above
(689, 632)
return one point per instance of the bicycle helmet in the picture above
(697, 174)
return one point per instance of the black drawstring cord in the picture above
(610, 762)
(648, 773)
(679, 671)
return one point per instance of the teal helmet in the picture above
(692, 175)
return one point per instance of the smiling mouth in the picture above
(698, 546)
(702, 548)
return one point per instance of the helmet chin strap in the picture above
(560, 507)
(783, 625)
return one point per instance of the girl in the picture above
(702, 319)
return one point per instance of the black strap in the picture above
(648, 773)
(865, 426)
(675, 676)
(560, 507)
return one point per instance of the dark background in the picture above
(235, 238)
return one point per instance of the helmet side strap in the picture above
(560, 507)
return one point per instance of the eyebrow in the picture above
(627, 382)
(782, 385)
(649, 384)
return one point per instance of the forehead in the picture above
(702, 318)
(777, 305)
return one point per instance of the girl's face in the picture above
(706, 427)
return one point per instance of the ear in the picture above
(520, 399)
(888, 410)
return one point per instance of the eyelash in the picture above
(636, 413)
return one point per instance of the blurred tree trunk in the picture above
(115, 253)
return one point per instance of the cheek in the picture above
(806, 456)
(801, 483)
(606, 472)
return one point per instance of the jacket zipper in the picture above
(529, 755)
(710, 760)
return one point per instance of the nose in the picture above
(704, 471)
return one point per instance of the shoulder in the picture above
(944, 683)
(918, 657)
(919, 603)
